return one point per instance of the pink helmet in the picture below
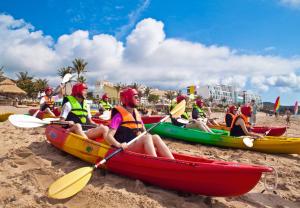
(180, 98)
(232, 109)
(127, 96)
(77, 89)
(199, 102)
(246, 110)
(104, 96)
(48, 89)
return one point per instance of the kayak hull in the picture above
(268, 144)
(271, 131)
(186, 173)
(4, 116)
(42, 114)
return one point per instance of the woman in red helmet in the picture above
(230, 114)
(240, 124)
(77, 112)
(47, 102)
(104, 105)
(185, 121)
(126, 124)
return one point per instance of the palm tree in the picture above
(153, 98)
(25, 82)
(64, 70)
(81, 79)
(147, 92)
(135, 85)
(40, 84)
(79, 67)
(170, 95)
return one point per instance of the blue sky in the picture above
(252, 44)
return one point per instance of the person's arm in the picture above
(89, 117)
(241, 122)
(65, 110)
(110, 139)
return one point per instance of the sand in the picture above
(29, 164)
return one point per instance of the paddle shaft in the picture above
(129, 143)
(67, 124)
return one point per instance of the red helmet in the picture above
(77, 89)
(180, 98)
(48, 89)
(246, 110)
(104, 96)
(199, 102)
(127, 96)
(232, 109)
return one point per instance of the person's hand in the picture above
(122, 145)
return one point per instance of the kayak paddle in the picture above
(73, 182)
(26, 121)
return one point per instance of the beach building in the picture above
(102, 87)
(226, 95)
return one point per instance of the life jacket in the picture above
(237, 130)
(49, 102)
(130, 126)
(79, 113)
(228, 119)
(105, 104)
(201, 113)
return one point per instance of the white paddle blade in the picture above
(248, 141)
(66, 78)
(106, 115)
(183, 121)
(25, 121)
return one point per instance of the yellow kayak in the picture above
(4, 116)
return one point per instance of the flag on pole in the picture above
(277, 104)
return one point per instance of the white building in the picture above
(225, 94)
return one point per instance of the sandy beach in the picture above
(29, 164)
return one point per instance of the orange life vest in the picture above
(49, 101)
(235, 118)
(130, 126)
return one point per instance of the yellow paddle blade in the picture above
(179, 109)
(70, 184)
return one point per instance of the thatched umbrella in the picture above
(9, 87)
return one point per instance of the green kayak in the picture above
(268, 144)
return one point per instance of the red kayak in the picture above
(186, 173)
(270, 131)
(43, 114)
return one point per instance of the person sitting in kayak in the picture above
(126, 124)
(104, 105)
(47, 102)
(199, 114)
(240, 125)
(185, 121)
(76, 111)
(230, 114)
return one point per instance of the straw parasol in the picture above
(9, 87)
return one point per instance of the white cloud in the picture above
(133, 18)
(148, 57)
(291, 3)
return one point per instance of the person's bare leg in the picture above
(49, 112)
(144, 145)
(77, 129)
(98, 132)
(162, 148)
